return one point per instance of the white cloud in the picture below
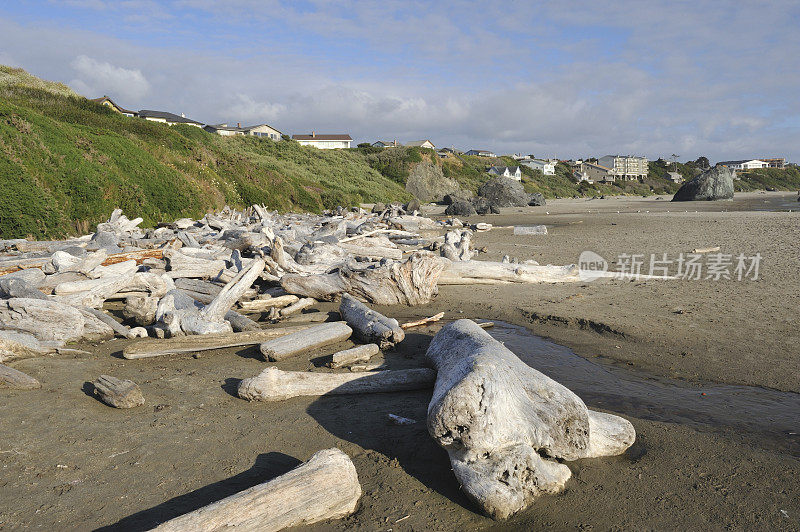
(96, 78)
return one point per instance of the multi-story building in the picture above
(625, 167)
(592, 173)
(744, 164)
(774, 162)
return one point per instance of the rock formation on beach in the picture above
(713, 184)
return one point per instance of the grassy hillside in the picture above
(66, 163)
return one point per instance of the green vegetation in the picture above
(769, 178)
(67, 163)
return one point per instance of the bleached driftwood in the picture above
(119, 393)
(191, 344)
(118, 328)
(456, 245)
(369, 325)
(16, 345)
(422, 321)
(141, 309)
(16, 380)
(499, 418)
(485, 272)
(324, 487)
(412, 282)
(307, 339)
(264, 304)
(51, 321)
(273, 384)
(354, 355)
(298, 306)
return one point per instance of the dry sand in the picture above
(727, 459)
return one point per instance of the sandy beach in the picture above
(706, 370)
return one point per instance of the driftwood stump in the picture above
(118, 393)
(325, 487)
(16, 380)
(503, 423)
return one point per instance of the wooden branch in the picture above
(310, 338)
(354, 355)
(369, 325)
(147, 348)
(264, 304)
(230, 294)
(16, 380)
(273, 384)
(325, 487)
(298, 306)
(423, 321)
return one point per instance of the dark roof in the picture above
(502, 169)
(169, 117)
(112, 102)
(418, 143)
(336, 136)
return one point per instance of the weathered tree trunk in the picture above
(264, 304)
(16, 380)
(298, 306)
(50, 320)
(190, 344)
(484, 272)
(310, 338)
(273, 384)
(18, 344)
(354, 355)
(412, 282)
(498, 418)
(118, 393)
(369, 325)
(325, 487)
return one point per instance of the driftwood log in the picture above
(307, 339)
(16, 380)
(191, 344)
(354, 355)
(119, 393)
(273, 384)
(503, 423)
(325, 487)
(412, 282)
(485, 272)
(370, 325)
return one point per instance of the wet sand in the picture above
(727, 459)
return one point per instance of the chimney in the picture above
(313, 133)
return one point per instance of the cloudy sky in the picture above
(552, 78)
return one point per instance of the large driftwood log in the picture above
(325, 487)
(485, 272)
(369, 325)
(50, 321)
(119, 393)
(273, 384)
(310, 338)
(18, 344)
(354, 355)
(16, 380)
(190, 344)
(499, 418)
(412, 282)
(264, 304)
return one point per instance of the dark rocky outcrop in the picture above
(536, 200)
(483, 206)
(460, 208)
(504, 192)
(412, 206)
(458, 195)
(427, 183)
(713, 184)
(379, 208)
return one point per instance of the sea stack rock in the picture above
(713, 184)
(504, 192)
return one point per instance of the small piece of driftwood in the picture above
(16, 380)
(298, 306)
(262, 305)
(355, 355)
(706, 250)
(273, 384)
(119, 393)
(310, 338)
(325, 487)
(423, 321)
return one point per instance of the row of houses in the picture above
(749, 164)
(321, 141)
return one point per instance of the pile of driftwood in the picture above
(190, 286)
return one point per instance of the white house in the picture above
(386, 144)
(324, 142)
(744, 164)
(626, 167)
(421, 144)
(675, 177)
(261, 130)
(546, 167)
(512, 172)
(167, 118)
(481, 153)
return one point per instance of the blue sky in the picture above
(565, 79)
